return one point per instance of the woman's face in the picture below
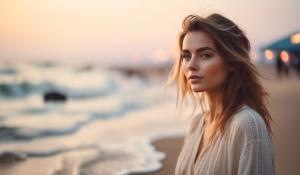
(202, 65)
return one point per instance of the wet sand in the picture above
(170, 147)
(284, 106)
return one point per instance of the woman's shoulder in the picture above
(250, 123)
(194, 122)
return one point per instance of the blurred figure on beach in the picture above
(282, 67)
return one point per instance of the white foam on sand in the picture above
(115, 146)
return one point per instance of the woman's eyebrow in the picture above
(201, 49)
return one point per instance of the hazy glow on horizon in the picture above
(116, 30)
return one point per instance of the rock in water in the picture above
(54, 96)
(9, 158)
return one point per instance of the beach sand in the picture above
(284, 106)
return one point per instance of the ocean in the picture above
(61, 119)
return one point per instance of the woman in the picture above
(232, 133)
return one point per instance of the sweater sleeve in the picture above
(256, 159)
(256, 155)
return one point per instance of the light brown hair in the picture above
(241, 86)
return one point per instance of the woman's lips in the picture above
(195, 79)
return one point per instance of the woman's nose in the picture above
(193, 65)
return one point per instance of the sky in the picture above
(127, 31)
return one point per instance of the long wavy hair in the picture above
(241, 86)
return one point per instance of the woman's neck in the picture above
(214, 103)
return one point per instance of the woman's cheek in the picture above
(215, 70)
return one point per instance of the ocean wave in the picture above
(16, 131)
(23, 80)
(8, 71)
(124, 145)
(11, 157)
(23, 89)
(86, 159)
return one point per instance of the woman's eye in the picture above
(206, 55)
(186, 57)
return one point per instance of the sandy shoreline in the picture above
(171, 147)
(284, 107)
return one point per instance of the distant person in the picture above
(279, 66)
(298, 65)
(282, 68)
(296, 62)
(232, 136)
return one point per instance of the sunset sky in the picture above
(124, 31)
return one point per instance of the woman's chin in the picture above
(197, 89)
